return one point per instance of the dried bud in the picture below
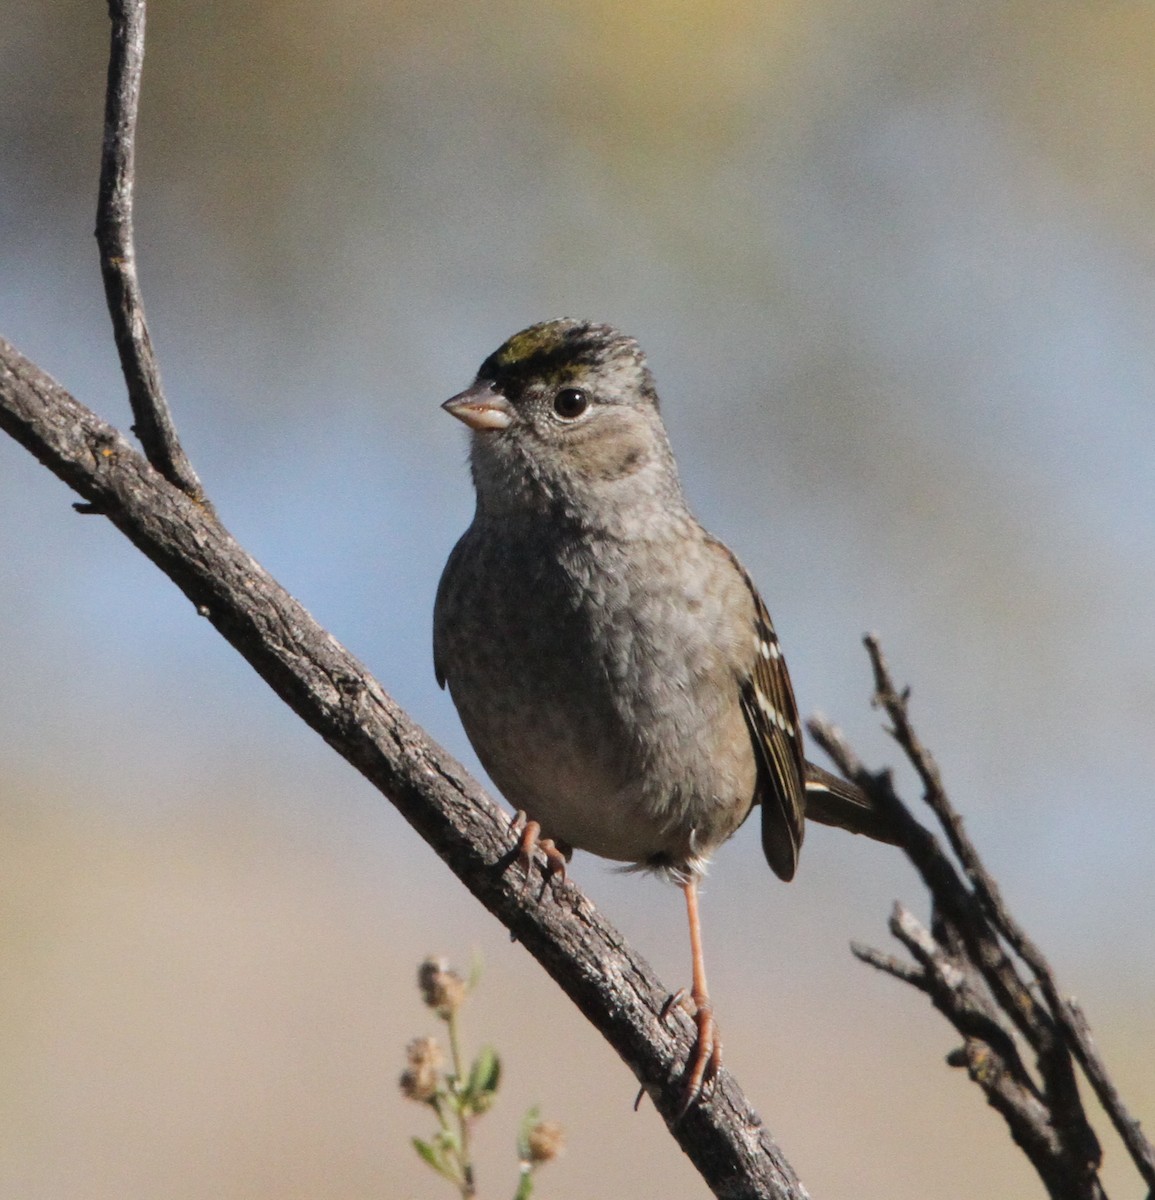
(442, 989)
(545, 1141)
(421, 1079)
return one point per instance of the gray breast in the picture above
(597, 705)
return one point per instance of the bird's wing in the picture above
(772, 717)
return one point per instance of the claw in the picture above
(706, 1056)
(529, 840)
(682, 998)
(703, 1064)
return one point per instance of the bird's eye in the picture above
(570, 403)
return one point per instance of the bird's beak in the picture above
(481, 407)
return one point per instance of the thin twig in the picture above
(975, 984)
(153, 423)
(1051, 1047)
(972, 979)
(1060, 1145)
(890, 964)
(959, 992)
(1067, 1017)
(945, 884)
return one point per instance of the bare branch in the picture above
(942, 880)
(1069, 1019)
(969, 964)
(611, 984)
(1087, 1053)
(959, 992)
(888, 964)
(114, 236)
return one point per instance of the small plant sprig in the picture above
(458, 1096)
(537, 1143)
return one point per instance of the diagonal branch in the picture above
(326, 686)
(114, 237)
(160, 506)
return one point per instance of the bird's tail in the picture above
(833, 801)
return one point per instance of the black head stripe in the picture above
(559, 350)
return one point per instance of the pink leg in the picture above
(707, 1055)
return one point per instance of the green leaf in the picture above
(484, 1080)
(433, 1155)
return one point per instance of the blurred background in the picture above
(892, 263)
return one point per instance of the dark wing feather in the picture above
(772, 717)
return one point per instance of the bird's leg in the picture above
(706, 1057)
(529, 840)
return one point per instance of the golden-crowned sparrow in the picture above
(612, 663)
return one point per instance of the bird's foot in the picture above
(529, 839)
(706, 1057)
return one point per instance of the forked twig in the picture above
(1066, 1013)
(969, 964)
(153, 423)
